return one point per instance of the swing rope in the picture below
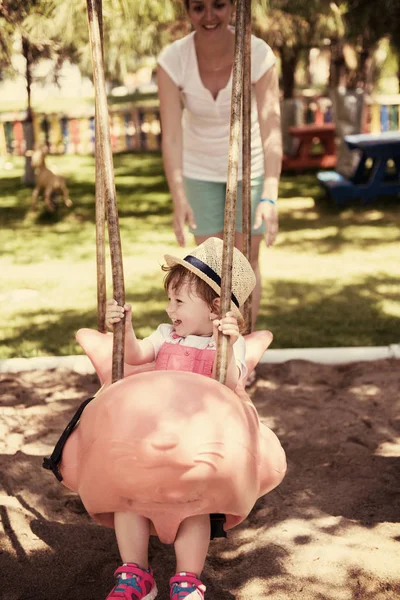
(243, 13)
(246, 155)
(105, 191)
(106, 197)
(100, 208)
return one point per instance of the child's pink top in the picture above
(173, 357)
(193, 353)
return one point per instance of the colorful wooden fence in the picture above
(139, 128)
(380, 114)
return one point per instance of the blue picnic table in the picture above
(377, 172)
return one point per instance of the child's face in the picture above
(190, 314)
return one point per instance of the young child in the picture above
(193, 285)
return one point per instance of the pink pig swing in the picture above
(167, 444)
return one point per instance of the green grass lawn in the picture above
(78, 105)
(332, 278)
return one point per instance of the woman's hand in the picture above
(228, 326)
(268, 213)
(114, 314)
(182, 214)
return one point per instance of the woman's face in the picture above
(210, 16)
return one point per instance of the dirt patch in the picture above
(330, 530)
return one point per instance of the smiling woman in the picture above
(197, 70)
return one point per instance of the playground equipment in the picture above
(169, 445)
(165, 444)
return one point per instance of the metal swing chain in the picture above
(106, 182)
(242, 13)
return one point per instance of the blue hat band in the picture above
(201, 266)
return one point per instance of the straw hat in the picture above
(206, 262)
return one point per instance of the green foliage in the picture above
(296, 24)
(131, 30)
(29, 23)
(352, 29)
(6, 41)
(134, 28)
(331, 279)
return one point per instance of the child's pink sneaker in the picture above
(186, 586)
(133, 583)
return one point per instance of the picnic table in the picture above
(314, 147)
(376, 174)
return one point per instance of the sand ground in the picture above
(331, 530)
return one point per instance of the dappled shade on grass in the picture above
(330, 280)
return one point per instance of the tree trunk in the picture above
(347, 107)
(346, 90)
(291, 116)
(290, 107)
(289, 60)
(29, 175)
(398, 69)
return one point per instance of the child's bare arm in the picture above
(137, 352)
(228, 326)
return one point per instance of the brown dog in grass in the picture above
(47, 182)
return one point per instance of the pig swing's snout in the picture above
(165, 442)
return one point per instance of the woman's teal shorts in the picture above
(207, 199)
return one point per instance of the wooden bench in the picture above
(377, 173)
(307, 139)
(340, 189)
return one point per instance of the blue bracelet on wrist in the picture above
(268, 200)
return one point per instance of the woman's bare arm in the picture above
(267, 95)
(269, 117)
(171, 127)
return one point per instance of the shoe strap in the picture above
(187, 578)
(133, 569)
